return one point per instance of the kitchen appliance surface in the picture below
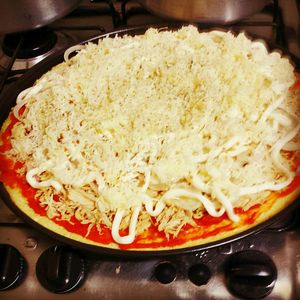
(211, 11)
(264, 265)
(21, 15)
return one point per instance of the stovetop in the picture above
(265, 265)
(267, 262)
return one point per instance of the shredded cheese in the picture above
(169, 120)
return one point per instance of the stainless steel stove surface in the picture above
(262, 266)
(268, 262)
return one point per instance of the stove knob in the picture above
(12, 266)
(165, 272)
(60, 269)
(250, 274)
(199, 274)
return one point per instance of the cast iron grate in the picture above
(8, 75)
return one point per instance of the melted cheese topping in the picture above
(182, 119)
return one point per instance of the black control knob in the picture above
(250, 274)
(12, 267)
(199, 274)
(60, 269)
(165, 272)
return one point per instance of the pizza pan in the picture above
(8, 100)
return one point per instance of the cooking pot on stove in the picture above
(205, 11)
(21, 15)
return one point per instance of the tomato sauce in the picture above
(207, 226)
(296, 85)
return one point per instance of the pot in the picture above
(205, 11)
(22, 15)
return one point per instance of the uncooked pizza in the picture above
(163, 140)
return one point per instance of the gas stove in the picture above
(265, 265)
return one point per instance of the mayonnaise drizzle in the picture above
(128, 239)
(208, 205)
(149, 205)
(71, 50)
(30, 177)
(227, 204)
(199, 184)
(25, 95)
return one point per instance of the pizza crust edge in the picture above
(21, 203)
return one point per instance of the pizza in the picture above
(164, 140)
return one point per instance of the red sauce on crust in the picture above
(207, 226)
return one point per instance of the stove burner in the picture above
(35, 43)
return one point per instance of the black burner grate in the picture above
(6, 72)
(32, 43)
(35, 42)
